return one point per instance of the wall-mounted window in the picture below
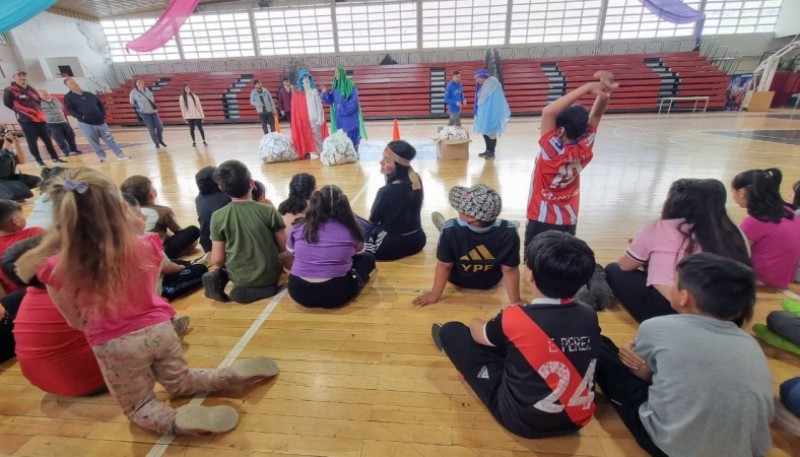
(629, 20)
(548, 21)
(298, 30)
(120, 32)
(463, 23)
(728, 17)
(211, 36)
(377, 26)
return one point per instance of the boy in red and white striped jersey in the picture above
(568, 133)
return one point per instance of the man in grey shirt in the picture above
(265, 106)
(694, 384)
(57, 123)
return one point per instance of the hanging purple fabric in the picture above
(674, 11)
(165, 28)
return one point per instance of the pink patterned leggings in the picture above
(131, 365)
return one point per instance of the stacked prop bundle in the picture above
(452, 133)
(275, 147)
(338, 149)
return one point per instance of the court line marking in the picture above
(164, 442)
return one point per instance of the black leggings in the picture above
(630, 287)
(533, 228)
(491, 143)
(179, 242)
(33, 131)
(334, 292)
(626, 392)
(196, 123)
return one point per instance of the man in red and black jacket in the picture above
(25, 102)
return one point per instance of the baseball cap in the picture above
(20, 72)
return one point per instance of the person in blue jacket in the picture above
(491, 110)
(455, 99)
(345, 109)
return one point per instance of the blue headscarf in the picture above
(303, 74)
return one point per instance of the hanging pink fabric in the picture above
(674, 11)
(165, 28)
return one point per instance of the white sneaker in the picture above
(198, 419)
(123, 157)
(438, 220)
(786, 419)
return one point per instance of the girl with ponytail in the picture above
(330, 264)
(771, 227)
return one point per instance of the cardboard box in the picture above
(453, 149)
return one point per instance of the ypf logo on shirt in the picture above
(477, 260)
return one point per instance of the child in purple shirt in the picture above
(330, 264)
(771, 227)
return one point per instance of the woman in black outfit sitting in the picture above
(394, 229)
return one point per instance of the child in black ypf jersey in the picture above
(477, 249)
(533, 365)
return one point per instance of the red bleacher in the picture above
(403, 91)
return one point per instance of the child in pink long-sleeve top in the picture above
(101, 275)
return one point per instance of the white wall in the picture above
(789, 19)
(51, 36)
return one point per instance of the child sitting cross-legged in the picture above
(102, 279)
(246, 240)
(330, 265)
(693, 383)
(533, 365)
(476, 250)
(177, 240)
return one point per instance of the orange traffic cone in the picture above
(396, 131)
(277, 123)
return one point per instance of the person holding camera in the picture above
(24, 100)
(13, 184)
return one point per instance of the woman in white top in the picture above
(192, 112)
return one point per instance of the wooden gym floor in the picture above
(366, 380)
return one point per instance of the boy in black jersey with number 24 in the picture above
(533, 365)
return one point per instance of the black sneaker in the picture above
(204, 143)
(163, 144)
(212, 286)
(194, 145)
(59, 161)
(483, 154)
(435, 330)
(488, 155)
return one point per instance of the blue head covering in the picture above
(303, 74)
(482, 73)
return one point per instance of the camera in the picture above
(10, 135)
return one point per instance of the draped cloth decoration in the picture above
(674, 11)
(165, 28)
(17, 12)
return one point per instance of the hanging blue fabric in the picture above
(17, 12)
(674, 11)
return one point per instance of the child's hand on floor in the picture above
(425, 299)
(631, 359)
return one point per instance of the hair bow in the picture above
(80, 187)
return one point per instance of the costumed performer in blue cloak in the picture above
(491, 110)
